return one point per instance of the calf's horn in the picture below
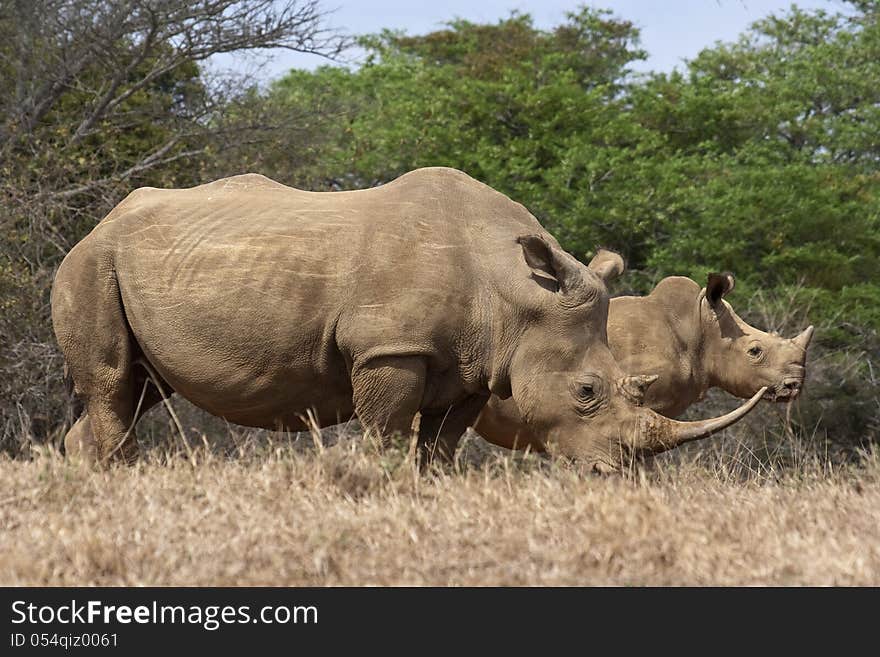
(803, 340)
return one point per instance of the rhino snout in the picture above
(793, 385)
(789, 388)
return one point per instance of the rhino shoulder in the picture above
(436, 174)
(465, 200)
(447, 179)
(243, 181)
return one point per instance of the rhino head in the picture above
(569, 390)
(742, 359)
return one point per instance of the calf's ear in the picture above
(718, 286)
(607, 265)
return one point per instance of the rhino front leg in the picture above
(440, 433)
(387, 392)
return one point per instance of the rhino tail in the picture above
(77, 406)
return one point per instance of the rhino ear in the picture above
(718, 286)
(607, 265)
(550, 264)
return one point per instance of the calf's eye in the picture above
(586, 390)
(755, 351)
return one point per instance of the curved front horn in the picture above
(662, 433)
(803, 340)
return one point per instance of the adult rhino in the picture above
(689, 339)
(261, 303)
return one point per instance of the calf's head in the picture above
(742, 359)
(570, 391)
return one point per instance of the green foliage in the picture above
(539, 115)
(781, 128)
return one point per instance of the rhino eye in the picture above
(589, 395)
(755, 351)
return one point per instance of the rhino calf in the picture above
(688, 340)
(693, 340)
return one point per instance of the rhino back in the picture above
(244, 285)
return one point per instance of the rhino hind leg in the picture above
(80, 443)
(440, 432)
(387, 392)
(99, 350)
(105, 431)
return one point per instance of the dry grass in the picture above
(349, 514)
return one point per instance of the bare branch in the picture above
(111, 50)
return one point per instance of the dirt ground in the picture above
(286, 513)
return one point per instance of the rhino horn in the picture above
(803, 340)
(636, 386)
(662, 433)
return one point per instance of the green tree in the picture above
(540, 115)
(782, 132)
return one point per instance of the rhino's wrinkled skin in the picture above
(689, 339)
(261, 303)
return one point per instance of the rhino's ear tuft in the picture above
(718, 286)
(550, 264)
(607, 265)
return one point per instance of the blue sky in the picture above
(672, 30)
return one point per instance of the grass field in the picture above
(291, 513)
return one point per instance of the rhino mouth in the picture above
(786, 390)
